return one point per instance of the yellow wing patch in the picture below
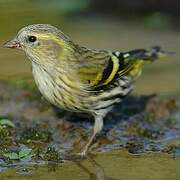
(101, 74)
(115, 69)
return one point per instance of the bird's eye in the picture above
(32, 39)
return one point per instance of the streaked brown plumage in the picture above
(77, 78)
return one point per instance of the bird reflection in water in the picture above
(95, 172)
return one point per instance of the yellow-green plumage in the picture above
(77, 78)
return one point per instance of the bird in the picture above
(79, 79)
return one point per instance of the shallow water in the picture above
(106, 166)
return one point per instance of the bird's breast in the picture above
(58, 92)
(44, 82)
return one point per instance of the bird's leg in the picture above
(87, 146)
(98, 125)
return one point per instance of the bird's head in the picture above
(42, 43)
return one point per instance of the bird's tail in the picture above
(131, 62)
(147, 55)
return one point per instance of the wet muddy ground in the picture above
(34, 133)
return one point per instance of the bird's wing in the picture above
(102, 68)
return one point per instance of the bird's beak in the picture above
(13, 43)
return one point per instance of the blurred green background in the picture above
(117, 24)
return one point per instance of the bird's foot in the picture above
(83, 153)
